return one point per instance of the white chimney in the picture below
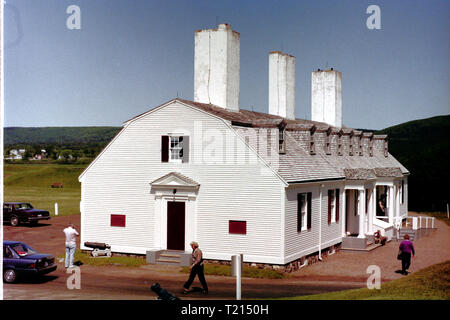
(282, 84)
(326, 97)
(216, 67)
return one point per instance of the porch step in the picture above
(165, 261)
(169, 257)
(367, 249)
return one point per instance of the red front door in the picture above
(175, 225)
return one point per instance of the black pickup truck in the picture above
(18, 212)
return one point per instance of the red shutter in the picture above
(330, 195)
(337, 205)
(164, 148)
(237, 227)
(309, 198)
(117, 220)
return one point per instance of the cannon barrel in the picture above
(97, 245)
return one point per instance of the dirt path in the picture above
(340, 271)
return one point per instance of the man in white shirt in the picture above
(71, 244)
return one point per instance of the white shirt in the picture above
(70, 235)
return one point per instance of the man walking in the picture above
(71, 244)
(196, 268)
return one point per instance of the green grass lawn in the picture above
(432, 283)
(248, 272)
(32, 183)
(87, 259)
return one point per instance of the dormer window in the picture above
(340, 145)
(350, 147)
(371, 147)
(281, 141)
(360, 146)
(312, 143)
(386, 153)
(328, 142)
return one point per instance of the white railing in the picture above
(420, 222)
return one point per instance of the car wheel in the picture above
(14, 221)
(9, 276)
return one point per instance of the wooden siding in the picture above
(298, 244)
(118, 182)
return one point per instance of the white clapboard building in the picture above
(269, 186)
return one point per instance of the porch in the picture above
(370, 206)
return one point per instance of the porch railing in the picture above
(420, 222)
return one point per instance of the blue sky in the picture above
(130, 56)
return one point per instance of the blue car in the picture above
(19, 259)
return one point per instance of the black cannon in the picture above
(100, 249)
(163, 294)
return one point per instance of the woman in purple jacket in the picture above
(406, 249)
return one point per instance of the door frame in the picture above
(160, 218)
(184, 227)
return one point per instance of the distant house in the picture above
(15, 154)
(270, 186)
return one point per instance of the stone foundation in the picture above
(290, 267)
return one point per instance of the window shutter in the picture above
(117, 220)
(237, 227)
(330, 195)
(185, 149)
(309, 197)
(164, 148)
(299, 212)
(337, 205)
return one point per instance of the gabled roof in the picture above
(297, 164)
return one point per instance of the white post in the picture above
(361, 211)
(414, 223)
(238, 277)
(432, 223)
(56, 209)
(391, 204)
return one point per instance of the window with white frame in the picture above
(176, 149)
(331, 206)
(303, 211)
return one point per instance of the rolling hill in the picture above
(58, 135)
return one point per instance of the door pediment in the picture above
(175, 180)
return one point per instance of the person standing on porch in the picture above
(197, 268)
(406, 248)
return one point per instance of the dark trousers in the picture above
(197, 270)
(406, 261)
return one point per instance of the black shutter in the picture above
(185, 149)
(164, 148)
(299, 212)
(337, 205)
(330, 196)
(309, 197)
